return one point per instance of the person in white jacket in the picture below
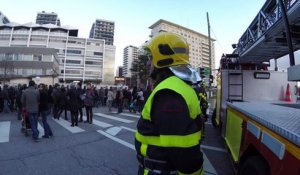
(110, 98)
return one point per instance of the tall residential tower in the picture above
(103, 29)
(47, 18)
(130, 53)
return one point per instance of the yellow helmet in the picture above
(168, 49)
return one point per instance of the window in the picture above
(93, 73)
(93, 63)
(71, 41)
(88, 43)
(18, 57)
(72, 71)
(37, 57)
(71, 51)
(97, 44)
(73, 61)
(4, 37)
(27, 57)
(98, 53)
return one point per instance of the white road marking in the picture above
(113, 130)
(41, 130)
(4, 131)
(67, 125)
(129, 129)
(130, 115)
(122, 142)
(114, 118)
(99, 123)
(208, 166)
(214, 148)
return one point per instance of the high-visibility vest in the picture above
(182, 141)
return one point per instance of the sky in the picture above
(229, 19)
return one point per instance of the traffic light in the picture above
(202, 72)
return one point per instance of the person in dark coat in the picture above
(50, 99)
(89, 103)
(30, 100)
(74, 104)
(45, 110)
(62, 103)
(18, 101)
(56, 97)
(80, 91)
(1, 99)
(119, 101)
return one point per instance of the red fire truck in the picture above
(257, 109)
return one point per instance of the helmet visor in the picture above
(186, 73)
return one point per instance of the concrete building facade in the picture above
(103, 29)
(80, 59)
(198, 43)
(26, 63)
(130, 53)
(47, 18)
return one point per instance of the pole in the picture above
(287, 31)
(276, 67)
(209, 51)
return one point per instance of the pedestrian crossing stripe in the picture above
(67, 125)
(99, 123)
(122, 142)
(5, 126)
(129, 129)
(113, 118)
(4, 131)
(113, 130)
(130, 115)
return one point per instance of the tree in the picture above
(140, 70)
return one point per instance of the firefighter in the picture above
(202, 95)
(169, 131)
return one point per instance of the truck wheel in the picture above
(254, 165)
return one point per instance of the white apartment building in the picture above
(198, 43)
(130, 53)
(80, 59)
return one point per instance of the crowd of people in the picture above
(67, 101)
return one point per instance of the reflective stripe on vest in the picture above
(175, 84)
(184, 141)
(169, 140)
(202, 96)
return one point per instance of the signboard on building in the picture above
(119, 80)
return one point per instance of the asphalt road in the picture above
(105, 147)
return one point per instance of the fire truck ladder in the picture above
(266, 37)
(235, 85)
